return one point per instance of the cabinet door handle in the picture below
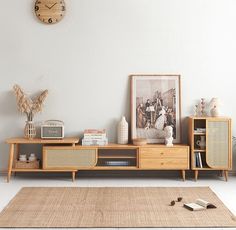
(162, 163)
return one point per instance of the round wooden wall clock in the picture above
(50, 11)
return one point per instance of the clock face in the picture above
(50, 11)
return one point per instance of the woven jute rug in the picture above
(113, 207)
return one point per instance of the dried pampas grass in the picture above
(27, 105)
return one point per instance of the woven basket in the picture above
(27, 164)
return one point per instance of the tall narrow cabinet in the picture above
(210, 139)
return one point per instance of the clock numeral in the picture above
(50, 20)
(63, 8)
(36, 8)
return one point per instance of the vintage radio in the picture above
(52, 129)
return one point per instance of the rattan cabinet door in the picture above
(59, 158)
(217, 155)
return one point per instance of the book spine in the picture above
(96, 137)
(200, 160)
(189, 208)
(94, 131)
(94, 142)
(197, 160)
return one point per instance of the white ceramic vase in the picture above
(122, 132)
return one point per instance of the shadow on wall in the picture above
(8, 124)
(4, 151)
(7, 104)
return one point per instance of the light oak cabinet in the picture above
(66, 155)
(117, 157)
(216, 154)
(165, 158)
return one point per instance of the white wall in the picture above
(85, 60)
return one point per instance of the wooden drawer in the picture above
(68, 158)
(152, 153)
(165, 163)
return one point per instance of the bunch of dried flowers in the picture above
(28, 105)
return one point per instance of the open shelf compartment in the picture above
(117, 158)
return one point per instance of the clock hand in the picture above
(47, 6)
(53, 5)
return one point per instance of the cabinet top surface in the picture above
(210, 118)
(127, 146)
(21, 140)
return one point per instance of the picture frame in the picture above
(155, 103)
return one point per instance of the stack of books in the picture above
(198, 160)
(94, 137)
(200, 131)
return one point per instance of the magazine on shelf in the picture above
(117, 163)
(198, 160)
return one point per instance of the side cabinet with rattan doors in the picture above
(210, 139)
(67, 157)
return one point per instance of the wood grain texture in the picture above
(21, 140)
(165, 163)
(50, 11)
(164, 152)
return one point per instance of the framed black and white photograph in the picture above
(155, 104)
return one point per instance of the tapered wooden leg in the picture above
(10, 162)
(196, 174)
(226, 175)
(221, 172)
(16, 156)
(183, 175)
(73, 176)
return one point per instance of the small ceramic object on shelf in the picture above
(214, 107)
(202, 107)
(202, 143)
(32, 157)
(139, 141)
(122, 132)
(23, 157)
(196, 110)
(168, 136)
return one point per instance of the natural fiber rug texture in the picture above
(113, 207)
